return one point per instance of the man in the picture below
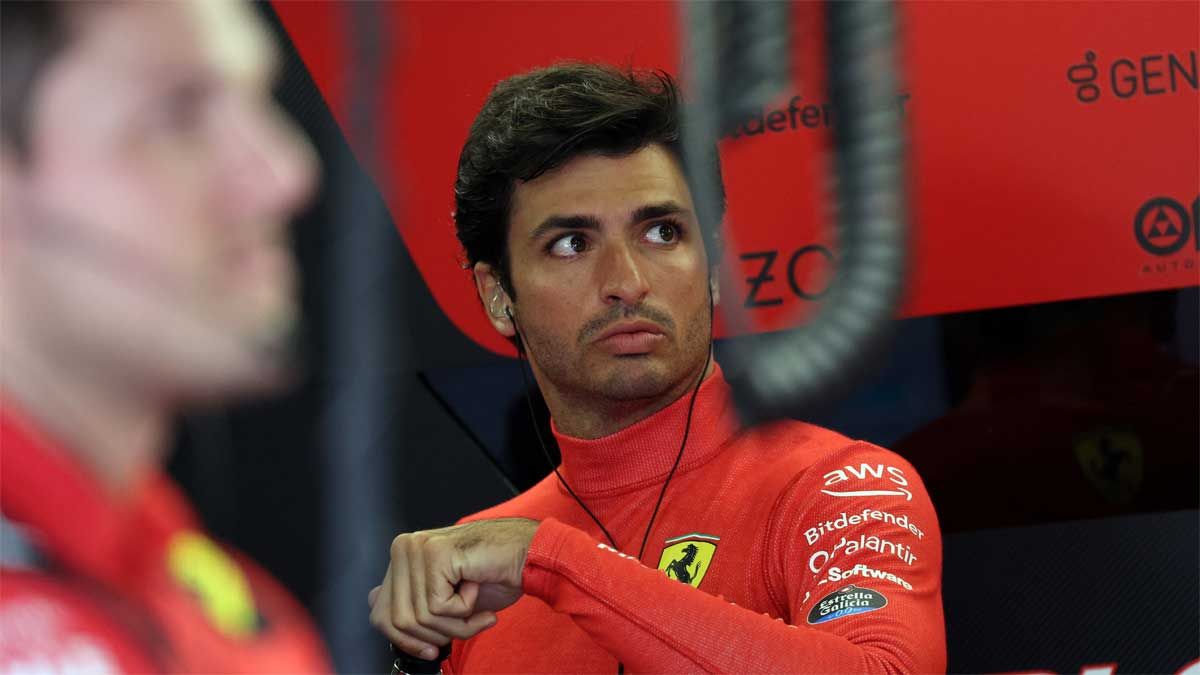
(147, 176)
(784, 548)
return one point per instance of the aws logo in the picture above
(688, 558)
(896, 484)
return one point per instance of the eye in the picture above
(179, 113)
(663, 233)
(568, 246)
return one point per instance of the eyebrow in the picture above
(659, 210)
(587, 222)
(575, 222)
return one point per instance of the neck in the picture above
(587, 416)
(114, 430)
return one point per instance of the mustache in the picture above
(622, 312)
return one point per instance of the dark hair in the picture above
(537, 121)
(31, 35)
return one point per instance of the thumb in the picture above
(371, 596)
(480, 622)
(456, 602)
(469, 592)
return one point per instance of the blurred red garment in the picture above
(92, 582)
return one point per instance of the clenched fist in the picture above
(449, 583)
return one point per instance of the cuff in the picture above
(540, 576)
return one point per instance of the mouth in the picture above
(260, 262)
(631, 337)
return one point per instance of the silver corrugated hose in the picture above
(735, 61)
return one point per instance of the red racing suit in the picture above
(128, 584)
(783, 548)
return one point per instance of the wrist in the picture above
(527, 530)
(543, 562)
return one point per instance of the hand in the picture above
(449, 583)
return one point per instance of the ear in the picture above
(494, 298)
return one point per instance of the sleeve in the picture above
(855, 562)
(48, 627)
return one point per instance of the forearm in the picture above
(655, 624)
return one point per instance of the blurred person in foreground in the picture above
(675, 539)
(144, 267)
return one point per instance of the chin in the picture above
(238, 382)
(637, 377)
(246, 368)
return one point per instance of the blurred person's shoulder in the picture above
(50, 624)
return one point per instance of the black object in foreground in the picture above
(406, 664)
(786, 374)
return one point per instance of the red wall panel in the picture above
(1044, 137)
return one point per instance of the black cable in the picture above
(678, 457)
(687, 430)
(542, 443)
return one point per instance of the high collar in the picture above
(71, 516)
(642, 454)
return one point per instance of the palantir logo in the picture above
(1162, 226)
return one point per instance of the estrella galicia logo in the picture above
(846, 601)
(1162, 226)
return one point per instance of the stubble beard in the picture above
(593, 379)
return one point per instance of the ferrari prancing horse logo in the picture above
(687, 558)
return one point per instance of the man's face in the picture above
(145, 228)
(608, 266)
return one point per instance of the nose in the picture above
(273, 170)
(623, 281)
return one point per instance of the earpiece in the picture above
(495, 308)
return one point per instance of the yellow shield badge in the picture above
(687, 558)
(222, 589)
(1112, 459)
